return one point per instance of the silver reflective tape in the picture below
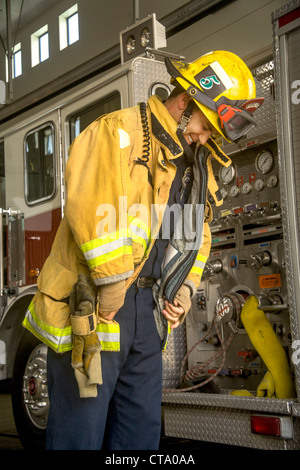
(109, 337)
(107, 248)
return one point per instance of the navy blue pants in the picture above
(126, 414)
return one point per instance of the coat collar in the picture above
(218, 153)
(164, 127)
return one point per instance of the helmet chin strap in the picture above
(186, 116)
(185, 119)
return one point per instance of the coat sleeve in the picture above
(98, 184)
(196, 272)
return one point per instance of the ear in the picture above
(183, 101)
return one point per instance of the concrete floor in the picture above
(9, 440)
(8, 434)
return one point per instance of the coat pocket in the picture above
(48, 320)
(55, 279)
(48, 315)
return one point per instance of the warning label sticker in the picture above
(269, 281)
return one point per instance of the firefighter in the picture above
(121, 273)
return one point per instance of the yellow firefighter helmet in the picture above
(223, 87)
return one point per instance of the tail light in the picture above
(270, 425)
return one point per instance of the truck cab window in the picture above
(82, 118)
(39, 164)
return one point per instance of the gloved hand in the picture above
(183, 298)
(86, 360)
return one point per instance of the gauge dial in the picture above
(246, 188)
(264, 161)
(227, 174)
(272, 181)
(234, 190)
(259, 184)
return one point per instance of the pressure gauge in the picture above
(246, 188)
(259, 184)
(272, 181)
(234, 191)
(264, 161)
(223, 193)
(227, 174)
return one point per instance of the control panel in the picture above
(247, 258)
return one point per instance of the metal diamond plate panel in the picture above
(148, 74)
(221, 425)
(173, 357)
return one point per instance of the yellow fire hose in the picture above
(277, 382)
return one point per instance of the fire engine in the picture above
(212, 369)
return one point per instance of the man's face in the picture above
(199, 129)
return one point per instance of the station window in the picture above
(68, 27)
(44, 47)
(82, 118)
(73, 28)
(39, 46)
(39, 164)
(17, 61)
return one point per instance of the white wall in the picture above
(243, 27)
